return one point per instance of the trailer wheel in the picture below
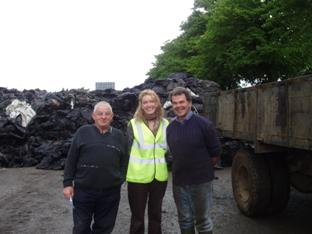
(251, 183)
(280, 184)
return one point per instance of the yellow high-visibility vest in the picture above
(147, 157)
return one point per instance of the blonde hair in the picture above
(159, 110)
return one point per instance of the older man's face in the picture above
(102, 117)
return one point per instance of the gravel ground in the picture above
(31, 202)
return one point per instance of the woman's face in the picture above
(149, 105)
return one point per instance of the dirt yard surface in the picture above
(31, 202)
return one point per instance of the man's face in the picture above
(181, 107)
(102, 117)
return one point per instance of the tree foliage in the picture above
(177, 52)
(233, 40)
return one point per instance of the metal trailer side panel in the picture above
(284, 113)
(245, 114)
(226, 113)
(236, 114)
(272, 115)
(210, 101)
(300, 113)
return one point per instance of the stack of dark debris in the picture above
(36, 127)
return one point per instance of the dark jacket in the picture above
(192, 144)
(95, 160)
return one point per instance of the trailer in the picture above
(273, 123)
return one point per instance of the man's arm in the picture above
(125, 158)
(70, 168)
(130, 137)
(213, 143)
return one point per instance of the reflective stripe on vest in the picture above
(147, 156)
(147, 161)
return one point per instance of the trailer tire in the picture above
(280, 184)
(251, 183)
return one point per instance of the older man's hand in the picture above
(68, 192)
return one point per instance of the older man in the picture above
(95, 168)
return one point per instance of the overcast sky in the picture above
(68, 44)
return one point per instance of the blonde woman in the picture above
(147, 173)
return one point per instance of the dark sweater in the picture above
(192, 144)
(95, 160)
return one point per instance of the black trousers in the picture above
(99, 206)
(141, 194)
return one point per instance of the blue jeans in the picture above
(194, 203)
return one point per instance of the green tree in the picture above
(176, 53)
(233, 40)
